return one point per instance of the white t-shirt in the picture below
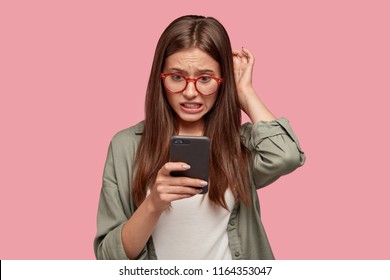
(194, 229)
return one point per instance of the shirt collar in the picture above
(139, 128)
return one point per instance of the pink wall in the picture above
(72, 73)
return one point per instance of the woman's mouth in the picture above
(191, 107)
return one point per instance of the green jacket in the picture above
(276, 152)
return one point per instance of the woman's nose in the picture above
(190, 91)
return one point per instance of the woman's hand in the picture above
(138, 229)
(167, 188)
(243, 62)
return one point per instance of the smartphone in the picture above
(195, 151)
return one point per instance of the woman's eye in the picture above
(176, 78)
(204, 79)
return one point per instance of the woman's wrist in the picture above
(151, 207)
(252, 105)
(245, 95)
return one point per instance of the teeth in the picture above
(192, 106)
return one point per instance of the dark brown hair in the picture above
(229, 156)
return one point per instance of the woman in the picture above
(197, 86)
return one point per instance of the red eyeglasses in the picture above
(205, 85)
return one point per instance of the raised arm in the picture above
(251, 104)
(275, 148)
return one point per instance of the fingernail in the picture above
(204, 183)
(186, 166)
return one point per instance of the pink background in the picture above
(73, 73)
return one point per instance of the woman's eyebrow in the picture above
(175, 69)
(206, 71)
(198, 71)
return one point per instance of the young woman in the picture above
(198, 86)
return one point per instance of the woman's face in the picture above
(189, 105)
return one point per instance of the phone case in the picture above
(195, 151)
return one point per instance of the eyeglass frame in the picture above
(194, 80)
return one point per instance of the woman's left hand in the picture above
(243, 62)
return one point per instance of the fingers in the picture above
(168, 190)
(243, 63)
(249, 56)
(237, 56)
(236, 59)
(173, 183)
(173, 166)
(243, 55)
(179, 185)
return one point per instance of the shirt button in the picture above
(237, 254)
(232, 222)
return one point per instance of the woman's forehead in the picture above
(190, 60)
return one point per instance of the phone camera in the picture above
(178, 141)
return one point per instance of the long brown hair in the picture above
(229, 156)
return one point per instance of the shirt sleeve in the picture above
(111, 216)
(275, 150)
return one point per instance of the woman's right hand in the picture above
(168, 188)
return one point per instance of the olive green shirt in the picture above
(275, 151)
